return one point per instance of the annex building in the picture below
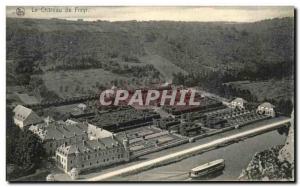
(24, 117)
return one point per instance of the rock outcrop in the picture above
(287, 152)
(274, 164)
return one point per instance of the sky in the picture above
(183, 13)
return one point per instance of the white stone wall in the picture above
(18, 123)
(89, 160)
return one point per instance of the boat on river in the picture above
(207, 169)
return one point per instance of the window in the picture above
(82, 165)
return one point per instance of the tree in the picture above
(66, 88)
(285, 107)
(23, 147)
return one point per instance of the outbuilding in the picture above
(238, 103)
(24, 117)
(266, 109)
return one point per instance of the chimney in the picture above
(126, 144)
(47, 120)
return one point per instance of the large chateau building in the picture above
(55, 133)
(90, 154)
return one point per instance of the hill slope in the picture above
(45, 45)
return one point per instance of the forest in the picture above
(259, 50)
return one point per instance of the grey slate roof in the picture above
(59, 131)
(90, 146)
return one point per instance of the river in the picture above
(237, 156)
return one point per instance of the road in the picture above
(188, 152)
(236, 155)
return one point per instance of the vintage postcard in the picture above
(150, 94)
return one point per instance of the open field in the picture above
(75, 83)
(163, 65)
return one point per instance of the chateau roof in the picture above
(59, 131)
(89, 146)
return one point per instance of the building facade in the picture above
(90, 154)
